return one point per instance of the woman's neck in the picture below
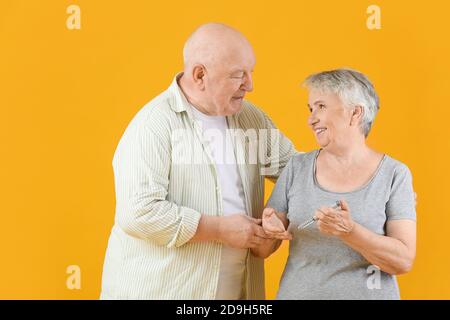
(347, 156)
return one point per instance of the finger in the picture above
(274, 229)
(325, 225)
(256, 241)
(259, 232)
(332, 218)
(273, 223)
(272, 235)
(320, 226)
(285, 236)
(328, 223)
(328, 217)
(344, 205)
(323, 209)
(268, 212)
(323, 228)
(332, 213)
(319, 215)
(255, 220)
(277, 235)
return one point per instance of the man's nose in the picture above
(248, 83)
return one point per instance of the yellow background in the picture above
(66, 97)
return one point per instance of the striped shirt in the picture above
(165, 179)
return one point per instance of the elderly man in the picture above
(189, 202)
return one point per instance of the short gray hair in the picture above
(353, 88)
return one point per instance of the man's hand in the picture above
(273, 226)
(241, 231)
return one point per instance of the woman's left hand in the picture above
(336, 222)
(273, 226)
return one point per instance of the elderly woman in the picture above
(355, 251)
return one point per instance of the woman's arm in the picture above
(268, 247)
(393, 253)
(275, 225)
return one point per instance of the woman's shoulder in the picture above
(302, 159)
(396, 167)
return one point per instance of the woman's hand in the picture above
(336, 222)
(273, 226)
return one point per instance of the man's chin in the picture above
(235, 106)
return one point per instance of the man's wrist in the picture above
(218, 226)
(208, 229)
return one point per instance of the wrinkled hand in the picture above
(336, 222)
(273, 226)
(241, 231)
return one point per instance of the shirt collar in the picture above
(181, 103)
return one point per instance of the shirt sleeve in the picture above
(401, 203)
(279, 151)
(279, 197)
(141, 172)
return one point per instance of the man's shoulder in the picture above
(156, 112)
(251, 116)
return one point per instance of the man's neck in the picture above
(185, 88)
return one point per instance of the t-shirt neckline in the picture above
(358, 189)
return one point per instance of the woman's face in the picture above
(329, 118)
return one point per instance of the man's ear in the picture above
(198, 74)
(357, 115)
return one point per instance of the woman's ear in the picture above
(357, 115)
(198, 74)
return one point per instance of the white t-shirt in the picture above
(232, 265)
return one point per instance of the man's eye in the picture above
(321, 106)
(238, 75)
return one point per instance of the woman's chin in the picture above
(322, 143)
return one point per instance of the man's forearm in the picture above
(208, 229)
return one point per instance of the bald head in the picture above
(214, 43)
(218, 66)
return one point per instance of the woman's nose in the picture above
(312, 119)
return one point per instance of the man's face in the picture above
(228, 81)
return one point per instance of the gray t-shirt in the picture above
(324, 267)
